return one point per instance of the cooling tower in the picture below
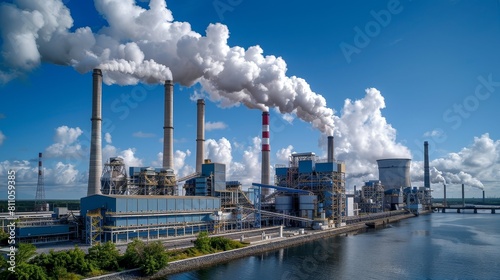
(394, 172)
(200, 134)
(266, 150)
(95, 164)
(427, 178)
(330, 155)
(168, 127)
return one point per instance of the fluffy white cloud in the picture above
(107, 138)
(58, 176)
(283, 155)
(25, 171)
(473, 164)
(219, 151)
(477, 166)
(66, 144)
(434, 133)
(180, 165)
(129, 157)
(214, 126)
(247, 170)
(363, 135)
(61, 174)
(140, 134)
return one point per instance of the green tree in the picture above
(23, 270)
(104, 256)
(25, 252)
(202, 243)
(133, 254)
(76, 261)
(149, 257)
(59, 264)
(26, 271)
(4, 237)
(156, 258)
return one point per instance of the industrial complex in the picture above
(153, 203)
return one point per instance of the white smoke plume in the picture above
(363, 136)
(147, 45)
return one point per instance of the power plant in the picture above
(154, 203)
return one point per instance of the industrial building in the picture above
(372, 197)
(145, 202)
(121, 218)
(324, 179)
(153, 203)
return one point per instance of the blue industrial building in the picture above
(211, 181)
(325, 179)
(120, 219)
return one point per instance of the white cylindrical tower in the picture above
(394, 172)
(95, 164)
(168, 126)
(266, 150)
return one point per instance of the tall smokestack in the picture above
(444, 199)
(168, 126)
(200, 134)
(266, 149)
(463, 195)
(95, 165)
(427, 177)
(330, 155)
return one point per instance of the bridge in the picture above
(462, 208)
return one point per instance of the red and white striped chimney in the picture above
(266, 149)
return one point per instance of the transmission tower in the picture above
(40, 203)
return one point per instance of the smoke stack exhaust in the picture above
(168, 126)
(266, 149)
(95, 164)
(330, 153)
(200, 134)
(427, 177)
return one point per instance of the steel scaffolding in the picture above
(93, 227)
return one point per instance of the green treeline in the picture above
(105, 258)
(75, 264)
(29, 205)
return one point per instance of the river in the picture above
(434, 246)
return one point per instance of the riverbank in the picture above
(261, 247)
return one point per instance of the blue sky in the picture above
(395, 74)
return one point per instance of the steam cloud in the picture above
(147, 45)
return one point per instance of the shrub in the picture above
(202, 243)
(104, 256)
(149, 257)
(59, 264)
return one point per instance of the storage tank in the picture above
(394, 172)
(284, 203)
